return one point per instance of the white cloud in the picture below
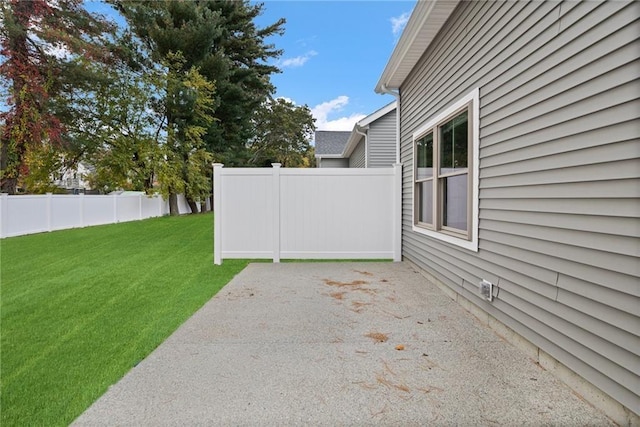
(398, 23)
(322, 111)
(284, 98)
(297, 61)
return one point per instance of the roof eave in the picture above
(363, 126)
(329, 156)
(354, 139)
(378, 114)
(426, 20)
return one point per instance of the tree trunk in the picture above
(8, 184)
(12, 157)
(173, 204)
(192, 205)
(203, 207)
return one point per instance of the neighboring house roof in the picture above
(330, 143)
(425, 22)
(361, 126)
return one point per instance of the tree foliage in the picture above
(40, 41)
(189, 107)
(282, 134)
(219, 40)
(149, 106)
(123, 132)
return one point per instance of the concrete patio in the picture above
(337, 344)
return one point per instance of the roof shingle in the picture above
(331, 142)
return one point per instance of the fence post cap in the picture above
(218, 165)
(276, 165)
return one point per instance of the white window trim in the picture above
(471, 244)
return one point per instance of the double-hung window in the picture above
(446, 174)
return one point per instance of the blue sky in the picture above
(334, 54)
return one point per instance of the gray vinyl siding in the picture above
(382, 141)
(357, 159)
(333, 163)
(559, 175)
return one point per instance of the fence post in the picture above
(397, 212)
(217, 213)
(49, 208)
(81, 195)
(276, 212)
(115, 208)
(4, 208)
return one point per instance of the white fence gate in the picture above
(279, 213)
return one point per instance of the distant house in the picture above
(371, 143)
(74, 180)
(519, 133)
(329, 148)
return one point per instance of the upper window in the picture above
(446, 175)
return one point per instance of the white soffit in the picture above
(425, 22)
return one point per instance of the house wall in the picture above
(357, 158)
(382, 141)
(559, 176)
(333, 163)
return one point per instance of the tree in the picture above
(186, 161)
(123, 133)
(40, 43)
(219, 41)
(239, 67)
(282, 134)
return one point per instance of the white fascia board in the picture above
(378, 114)
(329, 156)
(353, 141)
(423, 26)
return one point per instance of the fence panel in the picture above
(339, 214)
(99, 210)
(306, 213)
(66, 212)
(128, 208)
(248, 208)
(153, 206)
(28, 214)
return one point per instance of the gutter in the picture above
(366, 144)
(384, 89)
(425, 23)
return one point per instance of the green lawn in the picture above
(79, 308)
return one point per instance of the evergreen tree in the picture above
(219, 41)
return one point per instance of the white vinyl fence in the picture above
(28, 214)
(322, 213)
